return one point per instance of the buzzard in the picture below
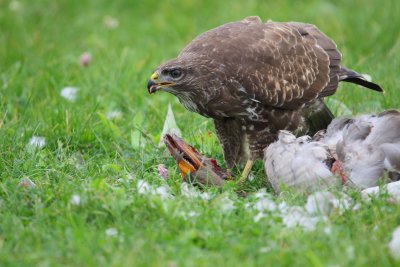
(254, 79)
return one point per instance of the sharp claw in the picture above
(246, 171)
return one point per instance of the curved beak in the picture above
(154, 84)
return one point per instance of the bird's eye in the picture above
(176, 73)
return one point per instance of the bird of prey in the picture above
(254, 79)
(361, 150)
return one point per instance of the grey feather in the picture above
(368, 146)
(298, 162)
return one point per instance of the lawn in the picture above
(98, 199)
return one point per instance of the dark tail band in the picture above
(351, 76)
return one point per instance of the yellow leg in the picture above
(246, 171)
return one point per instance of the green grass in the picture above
(100, 160)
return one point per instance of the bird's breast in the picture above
(188, 101)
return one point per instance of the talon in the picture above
(246, 171)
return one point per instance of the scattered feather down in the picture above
(392, 189)
(394, 244)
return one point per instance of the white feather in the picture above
(297, 162)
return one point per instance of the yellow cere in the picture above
(154, 76)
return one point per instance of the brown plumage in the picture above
(255, 79)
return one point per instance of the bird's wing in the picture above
(386, 128)
(277, 158)
(361, 149)
(296, 63)
(310, 166)
(297, 164)
(277, 64)
(392, 156)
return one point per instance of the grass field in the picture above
(87, 208)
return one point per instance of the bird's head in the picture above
(180, 75)
(167, 78)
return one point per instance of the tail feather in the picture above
(351, 76)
